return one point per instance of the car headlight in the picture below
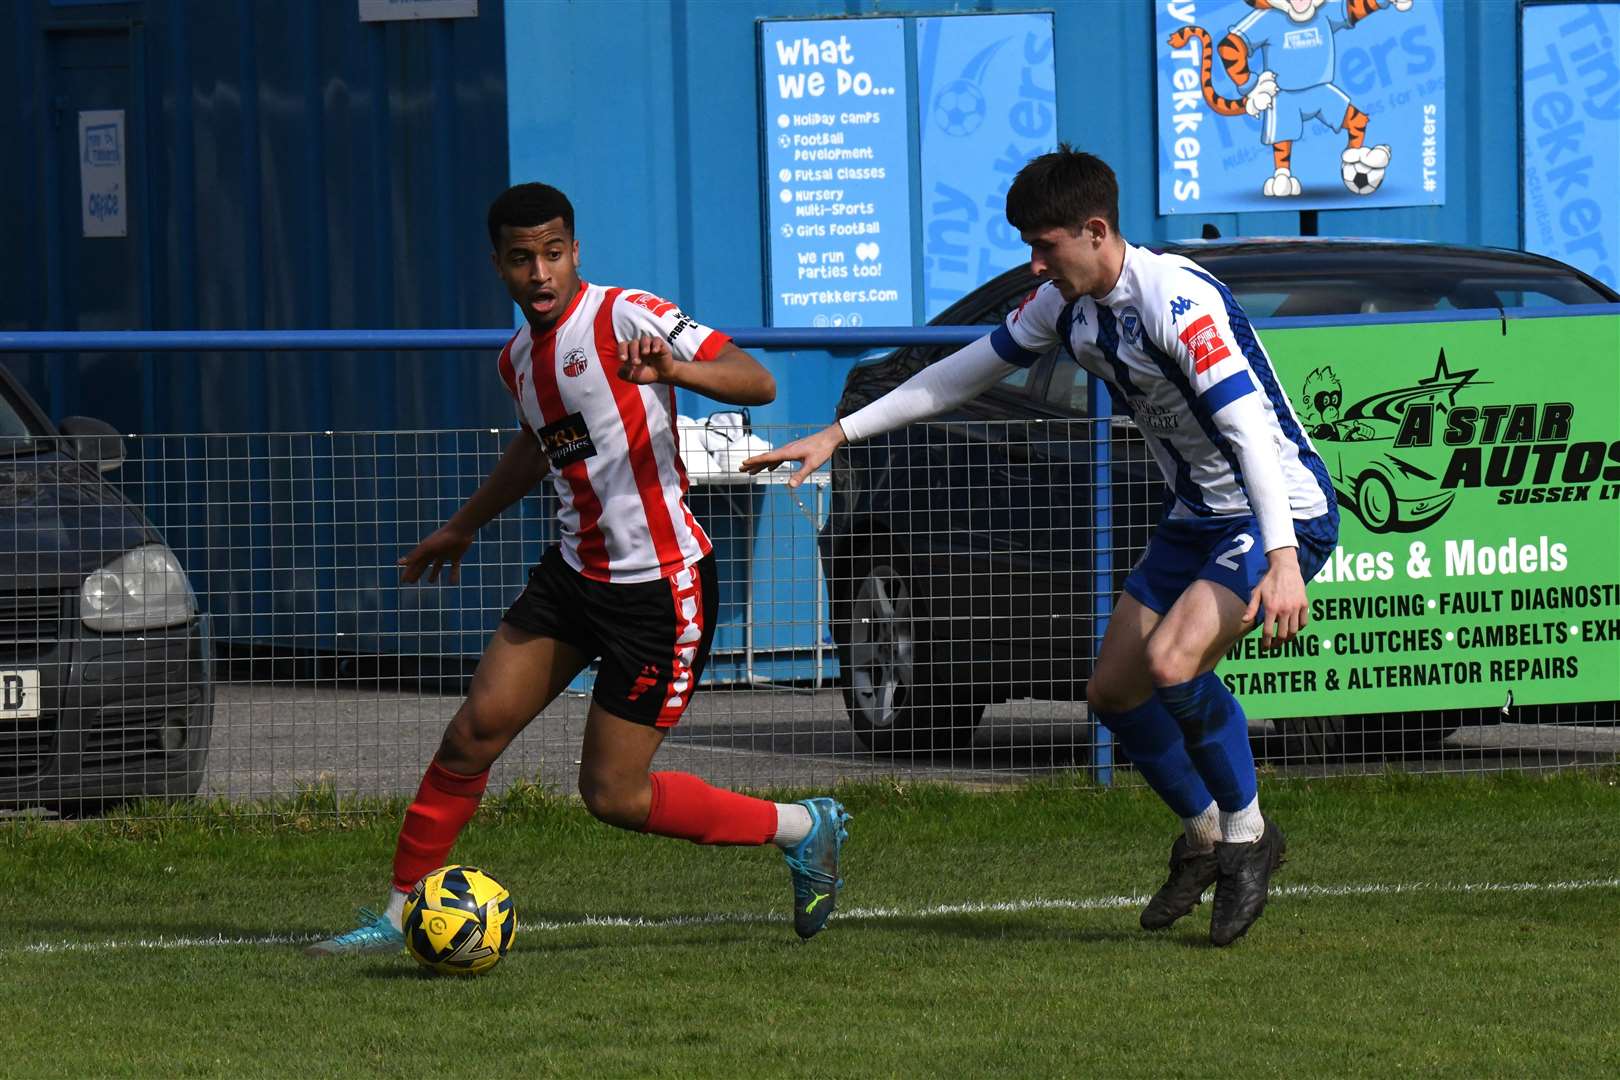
(143, 589)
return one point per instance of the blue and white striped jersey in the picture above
(1179, 353)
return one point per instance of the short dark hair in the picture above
(527, 205)
(1063, 189)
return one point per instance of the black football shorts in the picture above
(652, 637)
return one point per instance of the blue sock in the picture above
(1217, 735)
(1151, 739)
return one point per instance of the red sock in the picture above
(444, 804)
(686, 808)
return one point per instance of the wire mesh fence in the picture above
(223, 615)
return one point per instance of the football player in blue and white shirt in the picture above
(1254, 515)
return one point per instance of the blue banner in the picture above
(837, 171)
(1331, 105)
(1571, 144)
(986, 104)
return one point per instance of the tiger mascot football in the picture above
(1294, 41)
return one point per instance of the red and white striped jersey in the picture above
(612, 444)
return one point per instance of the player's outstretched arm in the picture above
(514, 476)
(958, 378)
(811, 452)
(733, 377)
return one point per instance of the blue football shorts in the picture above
(1224, 550)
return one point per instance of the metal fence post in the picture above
(1102, 524)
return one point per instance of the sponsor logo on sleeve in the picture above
(1205, 344)
(657, 305)
(683, 323)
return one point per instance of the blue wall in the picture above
(347, 186)
(290, 167)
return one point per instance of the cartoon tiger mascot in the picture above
(1294, 40)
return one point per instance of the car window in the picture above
(1018, 380)
(1353, 293)
(15, 434)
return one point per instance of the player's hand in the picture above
(1282, 594)
(446, 545)
(646, 359)
(812, 451)
(1263, 96)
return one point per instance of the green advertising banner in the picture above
(1477, 466)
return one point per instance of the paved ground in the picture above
(274, 740)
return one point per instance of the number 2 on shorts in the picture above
(1239, 549)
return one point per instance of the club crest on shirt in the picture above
(574, 363)
(1130, 325)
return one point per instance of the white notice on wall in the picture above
(102, 196)
(393, 10)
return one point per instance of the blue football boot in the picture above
(375, 934)
(814, 865)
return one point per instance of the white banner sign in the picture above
(393, 10)
(102, 196)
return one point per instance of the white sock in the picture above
(1244, 826)
(1202, 831)
(396, 908)
(792, 824)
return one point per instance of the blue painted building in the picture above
(293, 167)
(287, 166)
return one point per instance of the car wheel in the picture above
(897, 682)
(1375, 501)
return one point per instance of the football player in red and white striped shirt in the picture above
(593, 372)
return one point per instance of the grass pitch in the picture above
(1432, 925)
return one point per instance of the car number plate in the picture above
(19, 695)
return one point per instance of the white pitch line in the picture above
(862, 914)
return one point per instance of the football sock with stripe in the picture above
(1150, 737)
(444, 804)
(688, 809)
(1217, 737)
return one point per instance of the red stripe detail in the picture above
(711, 346)
(592, 543)
(508, 374)
(688, 636)
(643, 463)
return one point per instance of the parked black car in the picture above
(961, 556)
(105, 687)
